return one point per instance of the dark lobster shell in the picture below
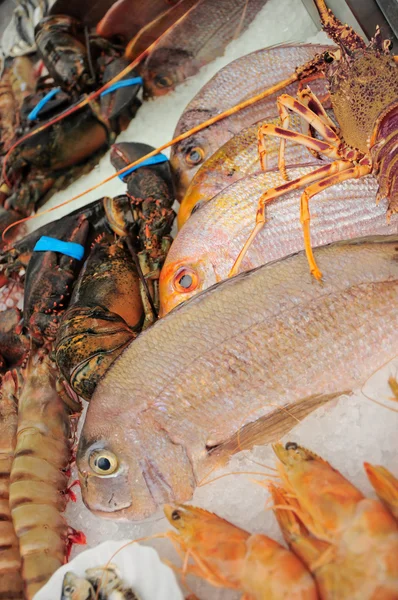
(104, 316)
(48, 283)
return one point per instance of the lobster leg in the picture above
(354, 172)
(285, 134)
(314, 119)
(308, 98)
(280, 190)
(303, 83)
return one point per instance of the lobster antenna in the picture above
(131, 49)
(323, 10)
(301, 72)
(86, 100)
(343, 35)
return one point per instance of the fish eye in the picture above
(195, 155)
(163, 81)
(328, 57)
(176, 515)
(103, 462)
(185, 280)
(291, 446)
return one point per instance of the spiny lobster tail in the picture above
(343, 35)
(383, 151)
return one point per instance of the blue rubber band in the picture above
(153, 160)
(45, 243)
(33, 113)
(121, 84)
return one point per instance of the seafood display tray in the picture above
(346, 431)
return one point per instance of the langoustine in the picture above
(11, 584)
(348, 542)
(39, 475)
(230, 557)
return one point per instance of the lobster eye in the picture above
(175, 515)
(163, 81)
(195, 155)
(103, 462)
(185, 280)
(328, 58)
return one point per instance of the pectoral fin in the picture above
(270, 428)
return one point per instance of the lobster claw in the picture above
(120, 105)
(104, 316)
(48, 281)
(83, 359)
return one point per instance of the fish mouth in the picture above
(104, 511)
(92, 503)
(123, 515)
(124, 512)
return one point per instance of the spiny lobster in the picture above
(363, 87)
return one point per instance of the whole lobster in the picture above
(363, 87)
(36, 165)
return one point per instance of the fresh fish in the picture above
(238, 158)
(76, 588)
(195, 40)
(233, 367)
(88, 13)
(238, 81)
(127, 17)
(206, 248)
(153, 31)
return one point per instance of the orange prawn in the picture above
(385, 486)
(348, 542)
(227, 556)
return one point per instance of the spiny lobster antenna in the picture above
(343, 35)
